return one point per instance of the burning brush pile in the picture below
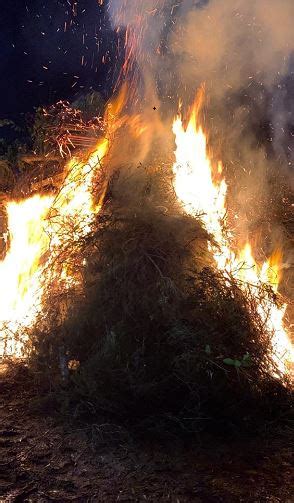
(124, 285)
(130, 287)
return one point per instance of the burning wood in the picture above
(145, 246)
(65, 129)
(200, 189)
(195, 187)
(32, 235)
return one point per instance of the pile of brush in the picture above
(157, 337)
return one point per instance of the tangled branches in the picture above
(62, 128)
(155, 331)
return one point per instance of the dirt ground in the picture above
(41, 461)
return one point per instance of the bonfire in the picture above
(38, 231)
(146, 260)
(61, 251)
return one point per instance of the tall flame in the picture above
(19, 272)
(34, 242)
(200, 194)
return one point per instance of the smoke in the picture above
(238, 47)
(230, 43)
(242, 51)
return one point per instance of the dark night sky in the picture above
(49, 52)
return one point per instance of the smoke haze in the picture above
(234, 46)
(242, 51)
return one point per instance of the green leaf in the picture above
(229, 361)
(232, 363)
(207, 349)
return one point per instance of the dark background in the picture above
(52, 50)
(61, 49)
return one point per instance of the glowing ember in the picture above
(195, 187)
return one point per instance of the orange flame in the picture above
(200, 195)
(32, 235)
